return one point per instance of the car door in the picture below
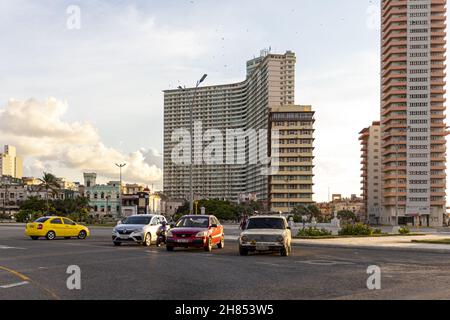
(155, 223)
(215, 231)
(70, 228)
(57, 226)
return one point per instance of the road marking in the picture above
(269, 264)
(8, 247)
(17, 274)
(12, 285)
(26, 279)
(325, 262)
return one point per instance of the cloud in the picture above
(39, 131)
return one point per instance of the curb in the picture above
(358, 247)
(390, 248)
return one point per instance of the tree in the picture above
(34, 204)
(310, 211)
(346, 215)
(50, 184)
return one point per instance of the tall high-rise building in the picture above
(371, 172)
(243, 107)
(413, 125)
(292, 184)
(10, 163)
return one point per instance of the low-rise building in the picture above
(104, 199)
(12, 193)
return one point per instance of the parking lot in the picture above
(37, 270)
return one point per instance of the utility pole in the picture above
(191, 120)
(120, 166)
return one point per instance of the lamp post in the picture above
(120, 166)
(288, 198)
(191, 124)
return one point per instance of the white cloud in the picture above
(40, 133)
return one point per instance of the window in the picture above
(56, 221)
(69, 222)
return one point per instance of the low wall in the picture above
(327, 226)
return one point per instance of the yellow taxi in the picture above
(52, 227)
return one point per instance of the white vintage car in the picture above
(266, 233)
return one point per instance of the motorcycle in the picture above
(162, 234)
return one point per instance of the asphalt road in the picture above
(37, 270)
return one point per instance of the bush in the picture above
(404, 230)
(28, 215)
(358, 229)
(313, 232)
(377, 231)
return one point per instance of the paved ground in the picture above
(37, 270)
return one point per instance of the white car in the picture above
(140, 229)
(266, 233)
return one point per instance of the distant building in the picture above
(12, 193)
(170, 207)
(371, 171)
(291, 184)
(353, 203)
(268, 92)
(11, 163)
(103, 199)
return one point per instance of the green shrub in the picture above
(377, 231)
(313, 232)
(28, 215)
(358, 229)
(404, 230)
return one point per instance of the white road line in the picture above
(269, 264)
(325, 262)
(12, 285)
(8, 247)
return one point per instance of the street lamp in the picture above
(191, 120)
(120, 166)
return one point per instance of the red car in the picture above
(196, 231)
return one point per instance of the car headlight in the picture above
(202, 234)
(280, 239)
(169, 234)
(140, 230)
(114, 230)
(244, 239)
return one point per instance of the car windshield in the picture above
(42, 220)
(193, 222)
(137, 220)
(266, 223)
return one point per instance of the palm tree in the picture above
(50, 184)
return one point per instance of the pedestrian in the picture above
(243, 222)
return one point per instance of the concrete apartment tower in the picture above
(246, 105)
(292, 184)
(371, 172)
(413, 125)
(10, 163)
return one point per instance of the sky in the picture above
(81, 95)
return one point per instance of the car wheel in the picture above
(82, 235)
(51, 235)
(285, 252)
(117, 244)
(148, 240)
(208, 247)
(221, 244)
(170, 248)
(243, 251)
(34, 238)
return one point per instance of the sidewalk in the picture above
(387, 243)
(398, 243)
